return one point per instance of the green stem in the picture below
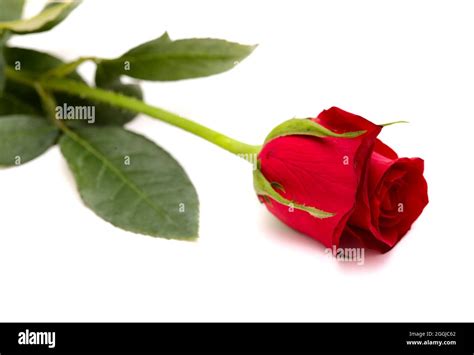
(68, 68)
(17, 76)
(133, 104)
(49, 104)
(116, 99)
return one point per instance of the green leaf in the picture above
(104, 76)
(264, 188)
(3, 39)
(131, 182)
(11, 9)
(35, 63)
(52, 14)
(10, 105)
(305, 126)
(164, 60)
(23, 138)
(38, 63)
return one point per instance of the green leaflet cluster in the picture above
(123, 177)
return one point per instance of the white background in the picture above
(390, 60)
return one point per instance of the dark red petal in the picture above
(391, 182)
(384, 150)
(341, 121)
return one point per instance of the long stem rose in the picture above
(327, 177)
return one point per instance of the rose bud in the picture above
(331, 179)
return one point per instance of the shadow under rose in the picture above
(278, 231)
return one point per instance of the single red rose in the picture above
(359, 179)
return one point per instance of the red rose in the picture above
(373, 196)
